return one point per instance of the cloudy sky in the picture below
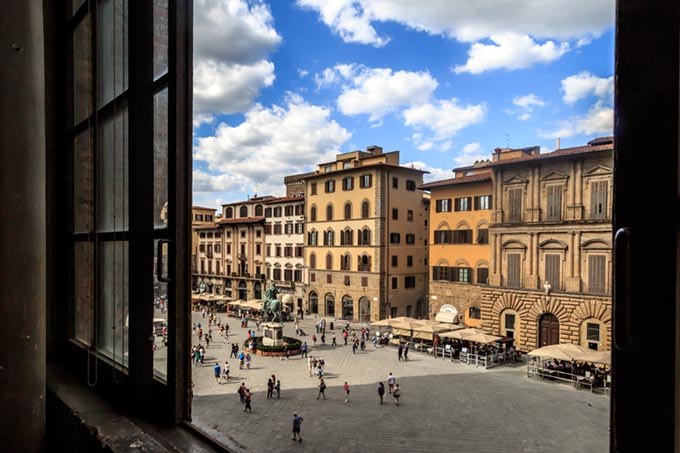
(280, 86)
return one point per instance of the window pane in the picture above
(84, 275)
(82, 71)
(112, 181)
(160, 316)
(160, 159)
(76, 5)
(112, 310)
(160, 35)
(112, 43)
(83, 196)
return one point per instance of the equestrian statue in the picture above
(272, 307)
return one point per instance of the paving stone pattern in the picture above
(444, 407)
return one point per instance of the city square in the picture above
(444, 406)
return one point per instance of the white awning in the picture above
(446, 317)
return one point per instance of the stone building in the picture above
(200, 216)
(366, 237)
(459, 250)
(284, 244)
(551, 246)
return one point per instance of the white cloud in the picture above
(302, 73)
(229, 88)
(510, 51)
(465, 20)
(599, 119)
(444, 118)
(436, 174)
(232, 39)
(526, 105)
(472, 152)
(270, 144)
(376, 91)
(585, 84)
(235, 31)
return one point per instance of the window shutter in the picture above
(514, 276)
(552, 271)
(476, 203)
(596, 274)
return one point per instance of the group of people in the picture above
(273, 386)
(316, 366)
(221, 373)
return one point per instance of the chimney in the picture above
(557, 143)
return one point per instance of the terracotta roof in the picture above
(211, 226)
(366, 168)
(284, 199)
(297, 177)
(253, 200)
(241, 220)
(557, 153)
(205, 209)
(461, 180)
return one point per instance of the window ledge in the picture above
(78, 418)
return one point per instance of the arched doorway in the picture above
(242, 290)
(365, 309)
(330, 305)
(313, 302)
(257, 289)
(548, 330)
(347, 308)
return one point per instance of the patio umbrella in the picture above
(483, 338)
(603, 357)
(381, 323)
(407, 327)
(426, 332)
(461, 334)
(565, 351)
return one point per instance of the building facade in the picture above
(366, 237)
(284, 254)
(551, 246)
(459, 250)
(200, 217)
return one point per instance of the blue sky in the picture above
(280, 86)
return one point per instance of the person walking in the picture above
(406, 352)
(334, 343)
(304, 350)
(396, 393)
(322, 389)
(344, 336)
(314, 339)
(346, 386)
(225, 371)
(297, 423)
(323, 339)
(270, 389)
(241, 359)
(249, 397)
(391, 380)
(218, 372)
(381, 391)
(242, 393)
(354, 347)
(310, 365)
(400, 351)
(277, 387)
(248, 358)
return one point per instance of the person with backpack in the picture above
(242, 393)
(381, 391)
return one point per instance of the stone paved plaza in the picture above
(444, 407)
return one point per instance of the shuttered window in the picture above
(483, 236)
(462, 237)
(443, 236)
(482, 275)
(514, 262)
(515, 205)
(554, 203)
(443, 205)
(552, 270)
(596, 274)
(598, 199)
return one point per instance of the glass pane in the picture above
(84, 276)
(160, 38)
(160, 316)
(112, 174)
(112, 61)
(82, 71)
(83, 189)
(76, 5)
(112, 310)
(160, 159)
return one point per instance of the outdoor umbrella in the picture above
(461, 334)
(406, 327)
(426, 332)
(483, 338)
(565, 351)
(603, 357)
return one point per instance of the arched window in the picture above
(258, 213)
(313, 238)
(345, 262)
(329, 212)
(312, 214)
(364, 263)
(312, 261)
(313, 302)
(243, 212)
(329, 261)
(365, 208)
(348, 211)
(347, 237)
(229, 213)
(364, 237)
(329, 238)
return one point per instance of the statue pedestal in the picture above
(272, 334)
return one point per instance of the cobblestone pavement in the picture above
(444, 407)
